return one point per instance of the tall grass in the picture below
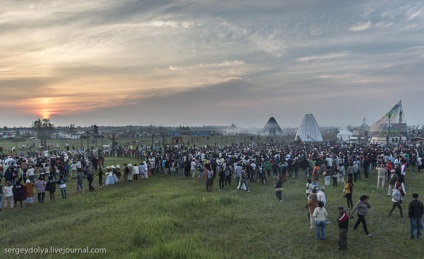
(174, 217)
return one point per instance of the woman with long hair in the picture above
(348, 190)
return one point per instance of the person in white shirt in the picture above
(402, 170)
(321, 195)
(30, 173)
(320, 215)
(135, 171)
(193, 168)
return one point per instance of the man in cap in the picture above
(343, 222)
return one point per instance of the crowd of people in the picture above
(246, 163)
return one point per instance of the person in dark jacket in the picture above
(90, 178)
(51, 188)
(343, 222)
(19, 193)
(415, 213)
(279, 188)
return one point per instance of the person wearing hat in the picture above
(343, 223)
(392, 181)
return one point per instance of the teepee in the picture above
(309, 130)
(272, 127)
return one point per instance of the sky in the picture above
(210, 62)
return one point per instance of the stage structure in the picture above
(391, 128)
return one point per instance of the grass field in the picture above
(174, 217)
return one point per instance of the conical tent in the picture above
(309, 130)
(272, 127)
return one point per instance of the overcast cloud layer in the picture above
(208, 62)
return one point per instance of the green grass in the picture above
(174, 217)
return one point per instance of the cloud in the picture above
(360, 27)
(323, 57)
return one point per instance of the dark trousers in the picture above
(343, 238)
(90, 186)
(228, 180)
(361, 219)
(349, 200)
(52, 197)
(399, 205)
(278, 193)
(41, 197)
(221, 182)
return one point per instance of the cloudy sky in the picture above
(210, 62)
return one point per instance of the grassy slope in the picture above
(173, 217)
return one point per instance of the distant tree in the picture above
(71, 128)
(44, 129)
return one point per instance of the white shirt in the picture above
(321, 197)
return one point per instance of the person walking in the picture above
(415, 213)
(279, 188)
(320, 214)
(362, 207)
(396, 201)
(90, 179)
(348, 191)
(392, 181)
(343, 223)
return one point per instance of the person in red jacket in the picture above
(343, 222)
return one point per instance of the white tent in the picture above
(309, 130)
(344, 135)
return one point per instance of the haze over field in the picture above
(209, 62)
